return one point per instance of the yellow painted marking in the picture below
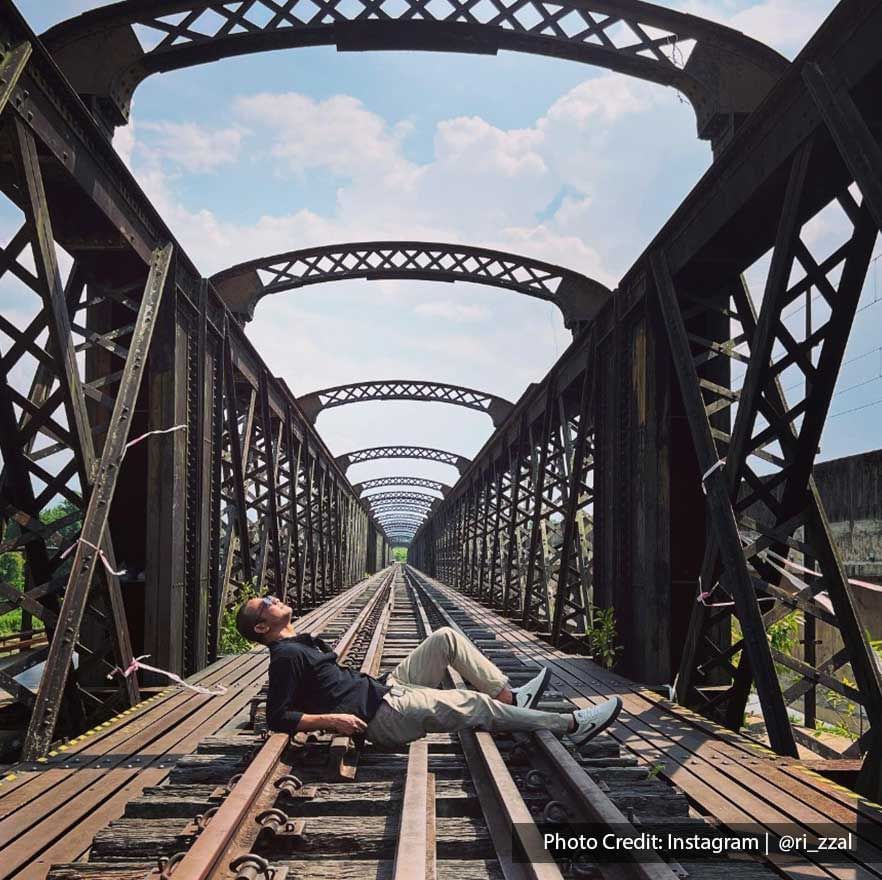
(53, 753)
(9, 777)
(63, 748)
(42, 760)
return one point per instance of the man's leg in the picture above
(425, 665)
(419, 710)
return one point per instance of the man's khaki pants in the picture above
(417, 706)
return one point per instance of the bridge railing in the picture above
(152, 467)
(624, 478)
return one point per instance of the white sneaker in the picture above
(527, 696)
(590, 722)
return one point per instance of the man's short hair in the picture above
(246, 620)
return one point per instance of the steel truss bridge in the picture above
(635, 475)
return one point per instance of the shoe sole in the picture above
(592, 733)
(540, 691)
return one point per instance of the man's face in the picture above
(271, 615)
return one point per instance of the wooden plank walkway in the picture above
(725, 775)
(50, 811)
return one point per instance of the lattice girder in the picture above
(422, 453)
(400, 482)
(779, 534)
(243, 286)
(421, 499)
(726, 73)
(405, 389)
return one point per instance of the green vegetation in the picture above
(230, 640)
(11, 572)
(602, 637)
(784, 634)
(12, 565)
(655, 770)
(399, 554)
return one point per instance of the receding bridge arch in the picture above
(414, 482)
(726, 74)
(403, 527)
(401, 516)
(422, 453)
(395, 509)
(405, 389)
(241, 287)
(416, 498)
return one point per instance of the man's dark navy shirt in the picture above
(304, 678)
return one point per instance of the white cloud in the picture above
(452, 311)
(339, 133)
(124, 142)
(551, 190)
(785, 25)
(189, 146)
(484, 186)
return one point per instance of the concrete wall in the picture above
(851, 489)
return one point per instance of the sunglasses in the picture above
(265, 603)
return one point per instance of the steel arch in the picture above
(423, 453)
(409, 519)
(415, 482)
(242, 286)
(405, 389)
(400, 508)
(422, 498)
(726, 74)
(393, 515)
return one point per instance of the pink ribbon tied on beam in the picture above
(126, 448)
(137, 440)
(98, 550)
(136, 664)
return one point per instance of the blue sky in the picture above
(549, 158)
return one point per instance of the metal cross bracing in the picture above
(151, 465)
(503, 538)
(405, 389)
(422, 453)
(421, 497)
(724, 73)
(402, 482)
(577, 296)
(593, 493)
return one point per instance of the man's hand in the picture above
(348, 725)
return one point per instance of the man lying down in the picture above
(308, 690)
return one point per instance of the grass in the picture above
(230, 640)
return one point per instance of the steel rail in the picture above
(415, 851)
(229, 830)
(508, 818)
(342, 747)
(579, 793)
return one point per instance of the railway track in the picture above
(455, 807)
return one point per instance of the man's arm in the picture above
(284, 677)
(337, 723)
(280, 716)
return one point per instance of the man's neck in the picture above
(286, 633)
